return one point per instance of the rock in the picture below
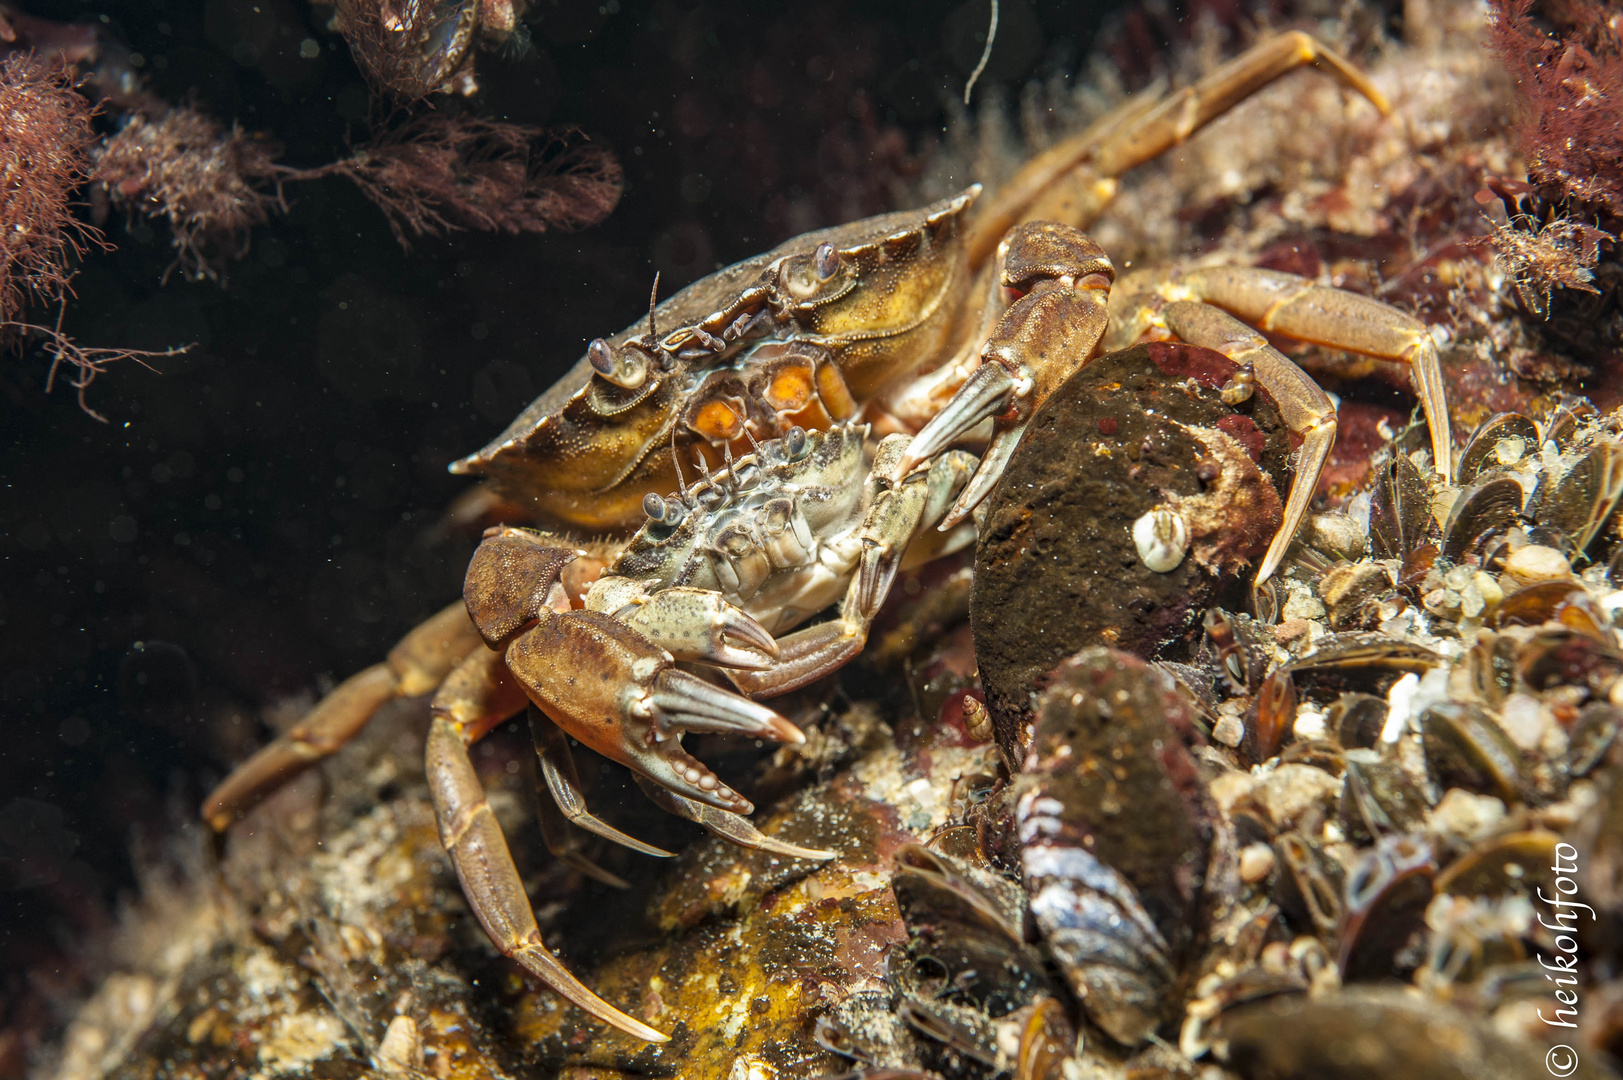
(1057, 568)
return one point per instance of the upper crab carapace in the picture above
(888, 317)
(931, 322)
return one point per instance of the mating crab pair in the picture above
(933, 322)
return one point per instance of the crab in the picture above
(717, 569)
(936, 326)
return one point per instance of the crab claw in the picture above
(988, 392)
(994, 393)
(610, 687)
(698, 624)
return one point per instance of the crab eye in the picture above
(826, 260)
(627, 368)
(653, 506)
(795, 441)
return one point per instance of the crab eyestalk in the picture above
(626, 368)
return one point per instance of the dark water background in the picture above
(264, 512)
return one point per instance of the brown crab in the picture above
(928, 323)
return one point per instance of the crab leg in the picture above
(599, 679)
(415, 666)
(726, 825)
(490, 881)
(479, 695)
(1074, 180)
(562, 781)
(1304, 407)
(1064, 280)
(896, 511)
(1286, 304)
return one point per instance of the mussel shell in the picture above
(1580, 502)
(1569, 658)
(1378, 799)
(1273, 712)
(1511, 863)
(1117, 829)
(1399, 509)
(1481, 449)
(1046, 1041)
(1466, 748)
(1490, 664)
(1233, 647)
(1357, 719)
(1368, 663)
(1385, 905)
(1479, 513)
(1308, 888)
(966, 928)
(962, 1031)
(1591, 737)
(1531, 606)
(1374, 1033)
(1561, 426)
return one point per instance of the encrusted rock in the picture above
(1057, 568)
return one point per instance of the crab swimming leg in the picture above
(1305, 408)
(896, 511)
(1074, 180)
(1062, 278)
(1281, 303)
(564, 804)
(416, 665)
(479, 695)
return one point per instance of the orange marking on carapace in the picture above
(790, 389)
(717, 421)
(836, 395)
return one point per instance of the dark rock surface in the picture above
(1057, 570)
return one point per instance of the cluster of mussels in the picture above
(1379, 838)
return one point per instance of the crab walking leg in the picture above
(490, 881)
(1043, 338)
(416, 665)
(1283, 303)
(896, 511)
(1074, 180)
(563, 783)
(1304, 407)
(728, 826)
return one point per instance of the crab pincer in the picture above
(1059, 280)
(619, 694)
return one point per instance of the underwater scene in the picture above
(1036, 539)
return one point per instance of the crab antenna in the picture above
(704, 466)
(986, 54)
(676, 460)
(732, 477)
(653, 295)
(751, 437)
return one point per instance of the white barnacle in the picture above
(1162, 539)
